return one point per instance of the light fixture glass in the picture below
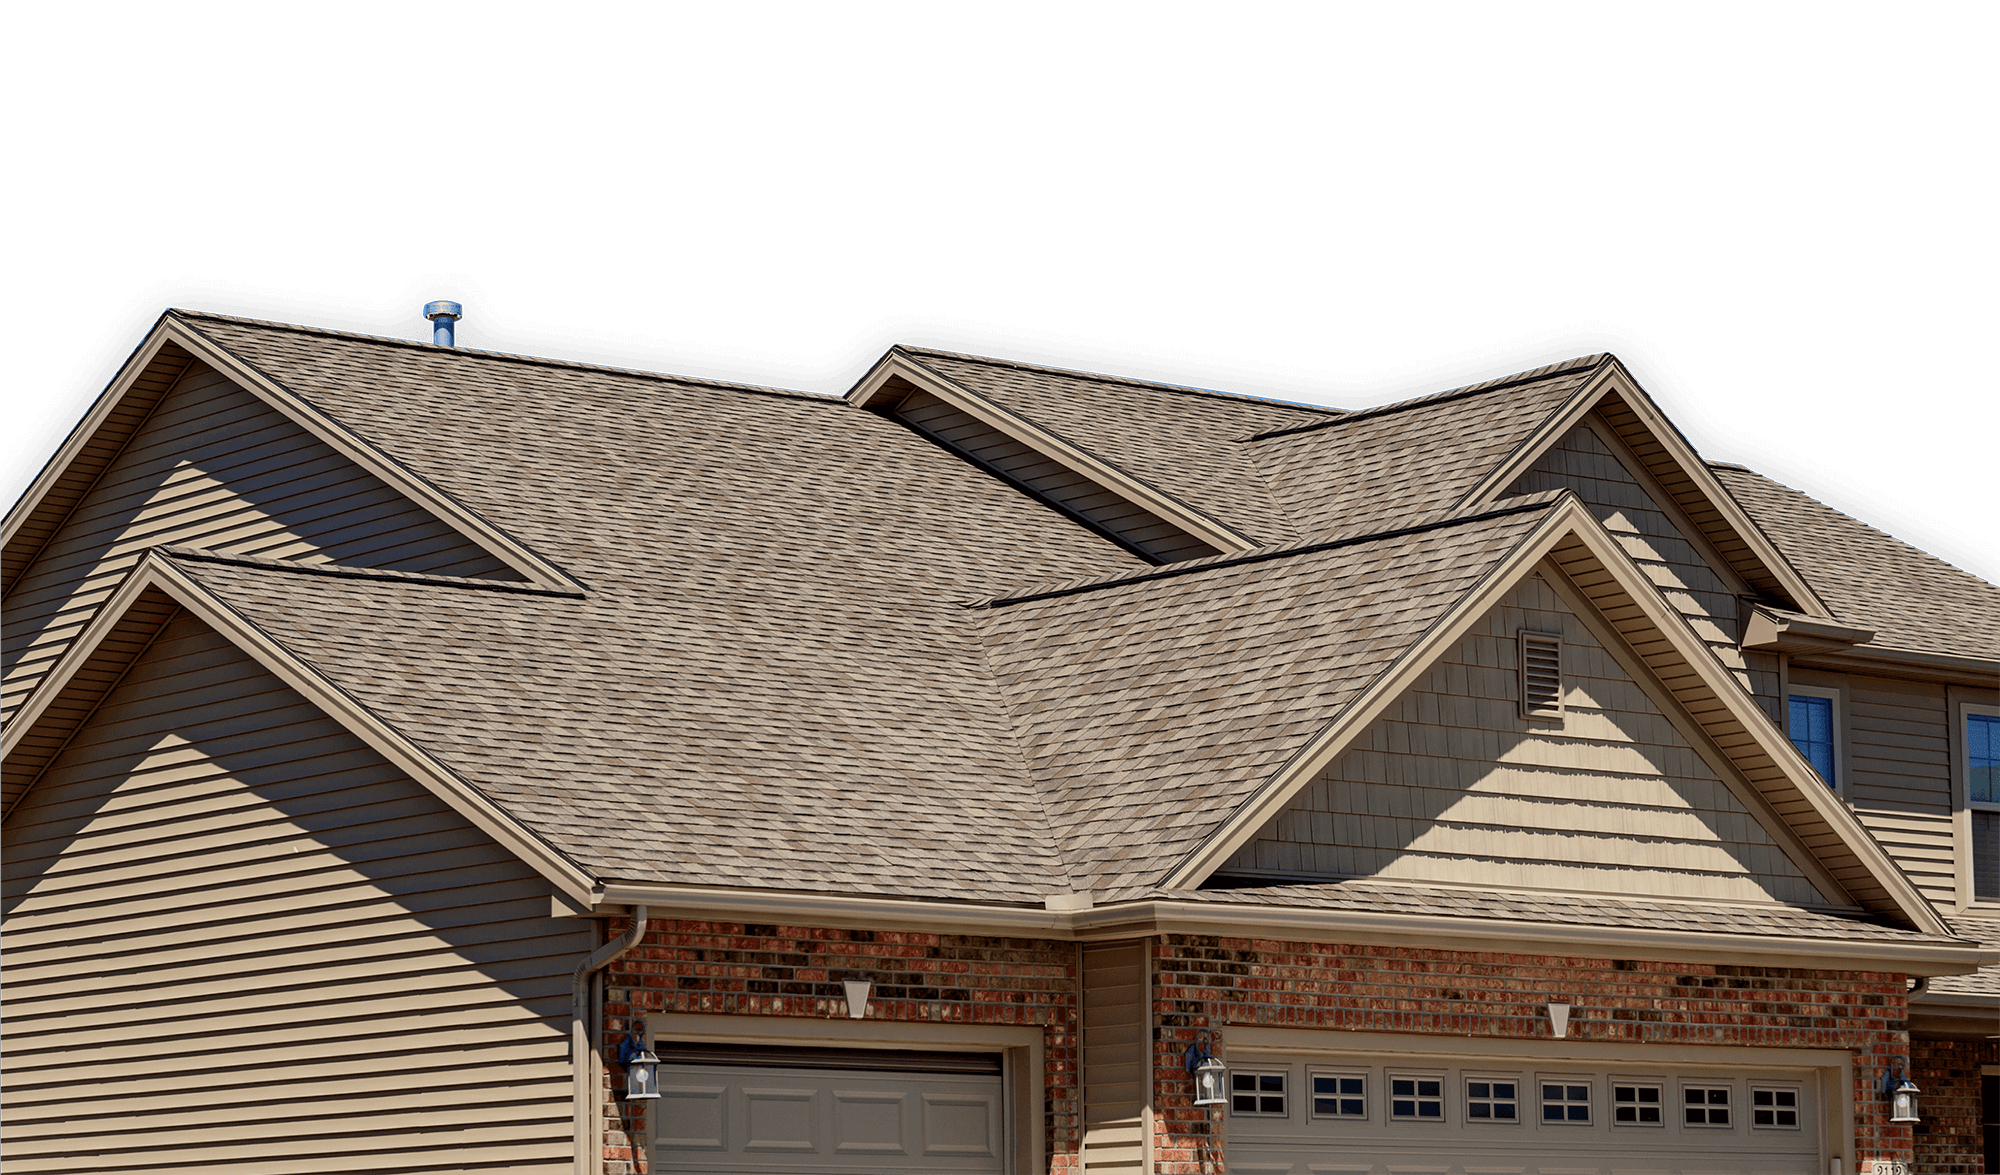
(642, 1070)
(1903, 1102)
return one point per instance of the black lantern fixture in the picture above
(1902, 1094)
(642, 1070)
(1210, 1075)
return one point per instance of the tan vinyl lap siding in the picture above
(1899, 774)
(1135, 524)
(215, 467)
(238, 939)
(1115, 1009)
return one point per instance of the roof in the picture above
(1912, 600)
(791, 644)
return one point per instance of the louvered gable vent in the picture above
(1541, 674)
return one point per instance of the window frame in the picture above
(1776, 1087)
(1466, 1078)
(1313, 1073)
(1287, 1092)
(1664, 1105)
(1963, 805)
(1838, 699)
(1567, 1081)
(1733, 1105)
(1444, 1099)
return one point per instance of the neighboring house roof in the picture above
(773, 641)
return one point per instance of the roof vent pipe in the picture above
(442, 316)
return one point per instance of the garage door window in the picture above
(1566, 1103)
(1416, 1099)
(1492, 1101)
(1257, 1093)
(1636, 1105)
(1705, 1105)
(1774, 1108)
(1340, 1095)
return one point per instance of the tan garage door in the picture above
(790, 1111)
(1318, 1116)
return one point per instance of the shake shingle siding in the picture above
(238, 939)
(1150, 709)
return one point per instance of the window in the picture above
(1416, 1099)
(1636, 1105)
(1492, 1101)
(1705, 1105)
(1541, 674)
(1774, 1108)
(1982, 797)
(1257, 1093)
(1566, 1103)
(1813, 721)
(1340, 1095)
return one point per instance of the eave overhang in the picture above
(1138, 919)
(1597, 570)
(1778, 631)
(148, 374)
(899, 364)
(123, 626)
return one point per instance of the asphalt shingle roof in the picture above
(816, 651)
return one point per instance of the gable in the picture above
(215, 866)
(216, 467)
(1694, 580)
(1450, 784)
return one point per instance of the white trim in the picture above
(1839, 699)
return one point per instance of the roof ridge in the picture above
(1518, 379)
(1434, 520)
(1128, 381)
(504, 356)
(348, 571)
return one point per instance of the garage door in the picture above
(811, 1111)
(1317, 1116)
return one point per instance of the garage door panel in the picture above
(725, 1118)
(1324, 1116)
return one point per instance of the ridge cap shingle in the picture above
(195, 316)
(1518, 379)
(1123, 380)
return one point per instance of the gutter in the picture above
(585, 1094)
(1061, 918)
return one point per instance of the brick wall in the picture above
(1948, 1140)
(732, 968)
(1460, 993)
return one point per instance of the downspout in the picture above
(586, 1098)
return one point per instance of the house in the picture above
(400, 734)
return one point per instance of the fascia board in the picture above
(1978, 672)
(156, 571)
(343, 441)
(79, 437)
(1743, 709)
(1614, 377)
(1147, 918)
(1079, 460)
(1764, 629)
(1194, 868)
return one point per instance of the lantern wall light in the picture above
(642, 1070)
(1902, 1094)
(1210, 1075)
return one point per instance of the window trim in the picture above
(1282, 1072)
(1797, 1107)
(1733, 1105)
(1361, 1074)
(1963, 805)
(1568, 1081)
(1660, 1085)
(1490, 1077)
(1391, 1074)
(1838, 698)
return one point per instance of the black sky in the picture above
(1779, 322)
